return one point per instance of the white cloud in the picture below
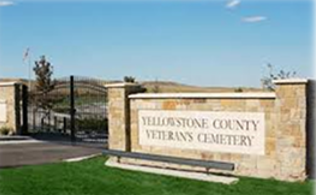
(6, 3)
(232, 4)
(252, 19)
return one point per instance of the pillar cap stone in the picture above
(4, 84)
(291, 81)
(263, 95)
(121, 85)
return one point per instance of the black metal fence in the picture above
(74, 109)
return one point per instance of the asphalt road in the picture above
(19, 154)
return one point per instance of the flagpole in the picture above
(29, 74)
(26, 56)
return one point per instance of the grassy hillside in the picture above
(13, 80)
(173, 87)
(166, 87)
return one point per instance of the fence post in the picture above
(42, 122)
(56, 124)
(65, 125)
(17, 107)
(25, 110)
(34, 120)
(72, 109)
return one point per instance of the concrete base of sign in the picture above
(175, 173)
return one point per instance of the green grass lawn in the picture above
(93, 178)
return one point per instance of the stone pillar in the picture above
(291, 128)
(9, 107)
(119, 114)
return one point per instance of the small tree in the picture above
(267, 81)
(44, 83)
(129, 79)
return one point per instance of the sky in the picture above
(202, 42)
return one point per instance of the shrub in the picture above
(239, 89)
(129, 79)
(5, 130)
(92, 124)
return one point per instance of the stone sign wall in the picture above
(263, 134)
(3, 111)
(232, 132)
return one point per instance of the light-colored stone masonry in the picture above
(8, 95)
(118, 109)
(285, 127)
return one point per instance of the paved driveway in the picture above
(18, 154)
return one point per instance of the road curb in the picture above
(14, 138)
(2, 142)
(77, 159)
